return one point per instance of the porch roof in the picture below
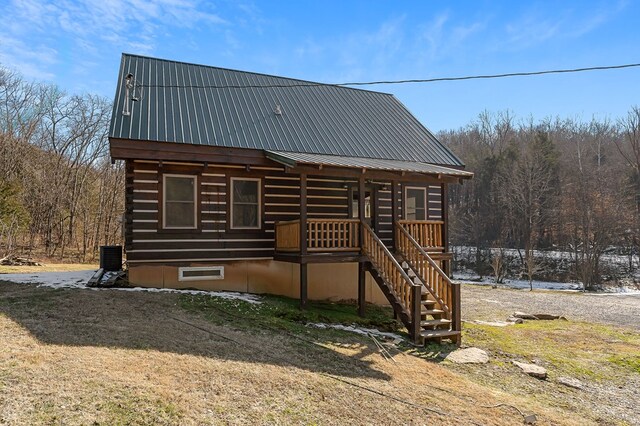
(293, 159)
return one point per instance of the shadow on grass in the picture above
(273, 332)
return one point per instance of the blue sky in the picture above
(77, 45)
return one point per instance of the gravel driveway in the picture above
(486, 303)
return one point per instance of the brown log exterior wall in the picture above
(214, 241)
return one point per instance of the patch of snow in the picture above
(358, 330)
(246, 297)
(518, 284)
(79, 279)
(70, 279)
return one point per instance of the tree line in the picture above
(553, 184)
(60, 196)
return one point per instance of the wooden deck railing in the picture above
(407, 292)
(428, 233)
(333, 234)
(288, 235)
(444, 291)
(323, 235)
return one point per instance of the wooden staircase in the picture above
(421, 294)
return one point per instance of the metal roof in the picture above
(188, 103)
(296, 158)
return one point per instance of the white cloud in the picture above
(536, 27)
(28, 27)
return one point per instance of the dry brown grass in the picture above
(47, 267)
(110, 357)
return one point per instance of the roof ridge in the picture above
(309, 82)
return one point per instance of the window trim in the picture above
(231, 202)
(426, 201)
(195, 201)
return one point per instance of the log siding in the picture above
(213, 240)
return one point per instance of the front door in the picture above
(370, 214)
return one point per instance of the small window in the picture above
(415, 203)
(201, 273)
(245, 203)
(179, 209)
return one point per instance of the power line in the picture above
(370, 83)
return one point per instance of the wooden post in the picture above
(361, 274)
(303, 285)
(394, 212)
(456, 316)
(445, 228)
(362, 301)
(416, 314)
(303, 241)
(303, 215)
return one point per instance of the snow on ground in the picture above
(72, 279)
(79, 279)
(467, 278)
(357, 330)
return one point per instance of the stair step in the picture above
(429, 323)
(432, 312)
(430, 334)
(428, 303)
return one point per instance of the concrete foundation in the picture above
(327, 281)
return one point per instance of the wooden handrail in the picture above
(446, 292)
(428, 233)
(287, 222)
(406, 291)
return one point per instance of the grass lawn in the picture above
(74, 356)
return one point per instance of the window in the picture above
(415, 203)
(201, 273)
(179, 206)
(245, 203)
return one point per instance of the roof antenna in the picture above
(132, 92)
(128, 86)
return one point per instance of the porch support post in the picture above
(303, 241)
(394, 211)
(445, 228)
(362, 300)
(361, 275)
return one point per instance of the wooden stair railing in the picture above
(443, 290)
(427, 233)
(403, 291)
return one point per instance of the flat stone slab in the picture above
(570, 382)
(523, 315)
(468, 356)
(492, 323)
(532, 370)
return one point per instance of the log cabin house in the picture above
(263, 184)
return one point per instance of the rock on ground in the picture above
(532, 370)
(570, 382)
(468, 356)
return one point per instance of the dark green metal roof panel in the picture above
(179, 104)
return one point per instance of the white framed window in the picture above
(180, 201)
(245, 203)
(415, 203)
(200, 273)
